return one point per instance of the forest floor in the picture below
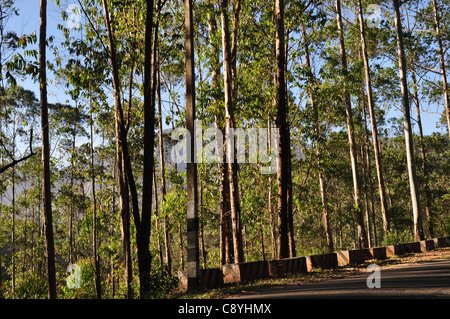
(315, 276)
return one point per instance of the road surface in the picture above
(430, 279)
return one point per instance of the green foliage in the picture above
(87, 282)
(33, 286)
(395, 237)
(162, 284)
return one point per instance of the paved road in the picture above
(429, 279)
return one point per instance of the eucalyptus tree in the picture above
(281, 121)
(191, 169)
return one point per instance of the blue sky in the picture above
(28, 22)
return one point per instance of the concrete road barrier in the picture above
(443, 242)
(378, 253)
(211, 278)
(395, 250)
(241, 272)
(412, 247)
(350, 257)
(281, 267)
(208, 278)
(426, 245)
(234, 273)
(324, 261)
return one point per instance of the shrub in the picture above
(395, 237)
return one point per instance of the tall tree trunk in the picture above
(273, 229)
(46, 190)
(191, 170)
(290, 212)
(281, 123)
(98, 286)
(442, 62)
(373, 120)
(144, 227)
(229, 125)
(234, 82)
(351, 136)
(414, 187)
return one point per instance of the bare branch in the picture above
(14, 162)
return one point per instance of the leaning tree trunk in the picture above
(414, 187)
(143, 229)
(98, 287)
